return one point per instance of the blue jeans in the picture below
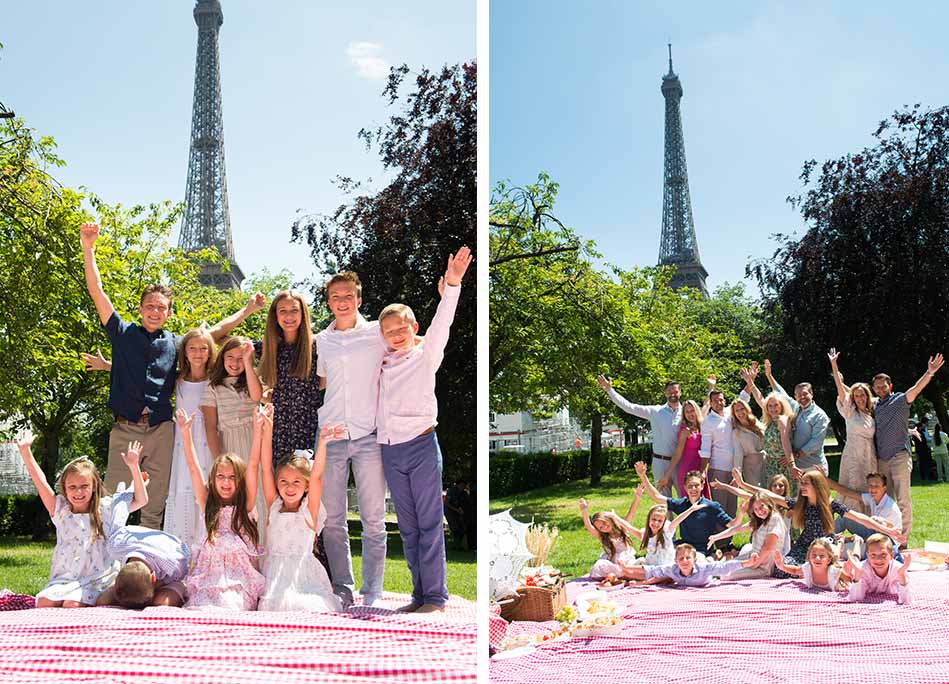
(414, 473)
(366, 458)
(854, 527)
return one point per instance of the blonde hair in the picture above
(404, 313)
(753, 425)
(785, 407)
(241, 522)
(866, 388)
(85, 468)
(605, 537)
(184, 365)
(882, 540)
(698, 413)
(301, 362)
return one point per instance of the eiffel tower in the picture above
(207, 220)
(678, 246)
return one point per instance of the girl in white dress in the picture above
(296, 580)
(822, 569)
(80, 568)
(183, 516)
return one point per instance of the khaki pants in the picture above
(898, 471)
(728, 500)
(157, 445)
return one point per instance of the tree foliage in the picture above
(398, 239)
(46, 316)
(557, 321)
(869, 274)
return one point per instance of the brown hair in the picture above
(697, 474)
(184, 366)
(219, 373)
(780, 477)
(879, 476)
(802, 385)
(686, 547)
(348, 277)
(241, 522)
(647, 530)
(882, 376)
(605, 537)
(301, 362)
(86, 468)
(134, 587)
(298, 463)
(156, 288)
(821, 489)
(757, 522)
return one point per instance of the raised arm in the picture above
(252, 474)
(778, 500)
(96, 362)
(327, 434)
(264, 414)
(716, 484)
(627, 406)
(843, 394)
(131, 459)
(671, 471)
(24, 444)
(769, 376)
(867, 521)
(635, 504)
(843, 491)
(88, 234)
(254, 388)
(685, 514)
(449, 289)
(653, 493)
(748, 375)
(198, 481)
(586, 519)
(226, 325)
(795, 570)
(935, 363)
(729, 531)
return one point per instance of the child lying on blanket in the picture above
(821, 569)
(686, 572)
(885, 575)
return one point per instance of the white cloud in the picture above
(368, 63)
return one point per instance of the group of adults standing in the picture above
(788, 439)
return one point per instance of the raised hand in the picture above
(256, 302)
(640, 489)
(457, 265)
(711, 380)
(640, 467)
(696, 506)
(583, 504)
(133, 454)
(247, 353)
(24, 442)
(97, 362)
(767, 367)
(935, 363)
(736, 474)
(88, 234)
(901, 573)
(184, 421)
(754, 368)
(832, 355)
(604, 382)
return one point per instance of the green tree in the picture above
(868, 276)
(46, 316)
(398, 239)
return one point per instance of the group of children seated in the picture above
(819, 556)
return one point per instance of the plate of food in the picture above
(604, 625)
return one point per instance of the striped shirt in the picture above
(892, 418)
(166, 555)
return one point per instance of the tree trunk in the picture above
(939, 405)
(596, 450)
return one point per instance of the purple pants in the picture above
(413, 472)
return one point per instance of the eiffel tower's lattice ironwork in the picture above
(207, 219)
(678, 246)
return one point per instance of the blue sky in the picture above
(574, 91)
(112, 81)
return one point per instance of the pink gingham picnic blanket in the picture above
(177, 645)
(754, 631)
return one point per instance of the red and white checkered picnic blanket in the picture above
(176, 645)
(756, 631)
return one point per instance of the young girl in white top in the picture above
(615, 535)
(80, 568)
(296, 580)
(821, 570)
(768, 534)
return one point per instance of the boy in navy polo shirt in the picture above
(698, 527)
(143, 377)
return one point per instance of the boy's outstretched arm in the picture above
(88, 234)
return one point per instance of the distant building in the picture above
(523, 433)
(14, 479)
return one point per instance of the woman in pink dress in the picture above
(686, 456)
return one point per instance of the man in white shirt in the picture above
(664, 420)
(716, 449)
(349, 357)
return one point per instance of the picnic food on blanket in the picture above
(566, 615)
(540, 594)
(541, 576)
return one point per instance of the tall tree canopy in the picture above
(869, 274)
(398, 239)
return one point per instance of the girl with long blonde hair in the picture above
(859, 457)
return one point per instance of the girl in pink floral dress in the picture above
(224, 572)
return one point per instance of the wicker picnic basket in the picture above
(535, 604)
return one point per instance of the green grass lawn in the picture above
(575, 550)
(24, 565)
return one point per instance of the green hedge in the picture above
(24, 515)
(513, 473)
